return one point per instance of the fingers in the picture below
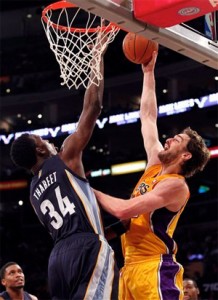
(154, 57)
(103, 22)
(150, 66)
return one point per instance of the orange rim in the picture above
(65, 4)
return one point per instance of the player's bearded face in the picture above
(167, 157)
(173, 148)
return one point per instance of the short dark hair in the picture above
(200, 153)
(194, 281)
(23, 151)
(3, 268)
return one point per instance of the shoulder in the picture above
(174, 182)
(33, 297)
(178, 182)
(4, 295)
(175, 191)
(172, 187)
(29, 296)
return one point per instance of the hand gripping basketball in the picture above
(138, 49)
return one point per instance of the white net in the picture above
(77, 48)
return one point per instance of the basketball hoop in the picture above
(77, 49)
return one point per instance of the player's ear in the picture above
(40, 151)
(186, 156)
(3, 282)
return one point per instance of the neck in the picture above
(35, 169)
(170, 169)
(16, 294)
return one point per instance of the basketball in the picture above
(138, 49)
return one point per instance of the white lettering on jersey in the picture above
(48, 181)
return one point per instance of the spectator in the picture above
(191, 290)
(13, 279)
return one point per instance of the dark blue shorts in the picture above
(82, 266)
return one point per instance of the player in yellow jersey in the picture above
(151, 271)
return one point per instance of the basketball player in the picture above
(81, 264)
(191, 290)
(151, 271)
(13, 279)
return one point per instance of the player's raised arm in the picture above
(74, 145)
(149, 112)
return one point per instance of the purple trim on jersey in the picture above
(167, 273)
(160, 221)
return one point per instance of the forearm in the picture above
(148, 105)
(101, 85)
(120, 208)
(149, 112)
(171, 193)
(111, 204)
(94, 94)
(126, 209)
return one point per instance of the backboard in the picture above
(138, 16)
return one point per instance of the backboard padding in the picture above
(176, 38)
(167, 13)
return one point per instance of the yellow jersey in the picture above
(151, 234)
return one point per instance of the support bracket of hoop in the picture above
(177, 38)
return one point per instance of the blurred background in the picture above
(32, 98)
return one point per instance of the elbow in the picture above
(122, 212)
(116, 212)
(119, 214)
(93, 108)
(96, 106)
(99, 107)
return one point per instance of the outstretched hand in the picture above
(151, 65)
(102, 37)
(100, 46)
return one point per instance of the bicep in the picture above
(170, 193)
